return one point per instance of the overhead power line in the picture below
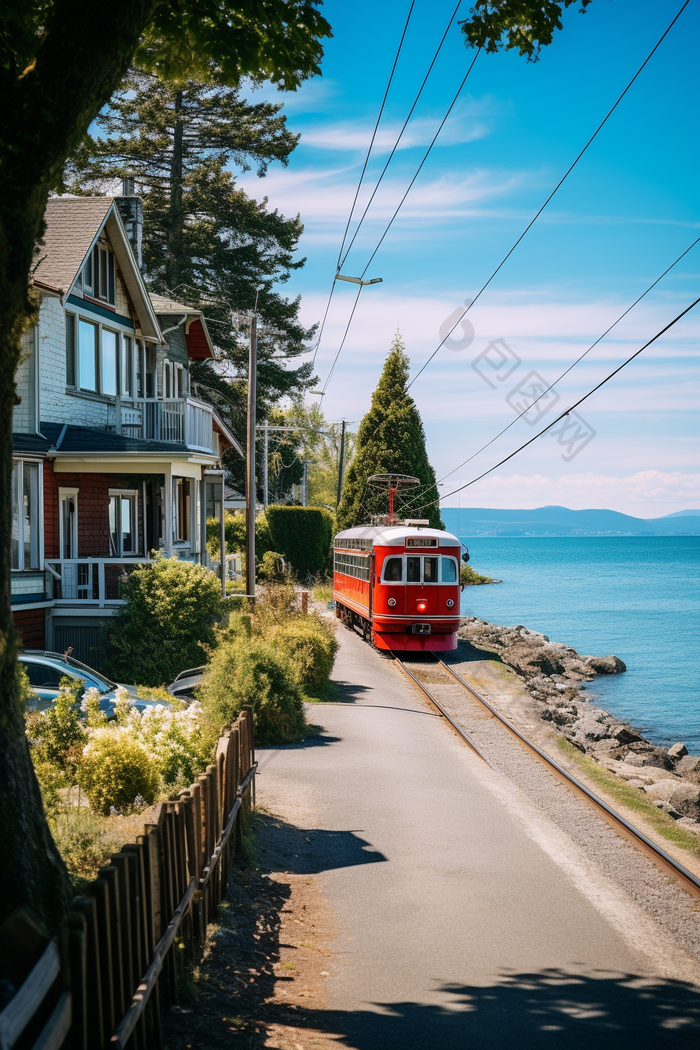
(359, 184)
(342, 341)
(374, 133)
(396, 212)
(551, 195)
(400, 135)
(571, 366)
(575, 405)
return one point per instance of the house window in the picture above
(108, 370)
(126, 367)
(151, 374)
(87, 355)
(123, 523)
(71, 365)
(182, 509)
(26, 521)
(98, 276)
(68, 522)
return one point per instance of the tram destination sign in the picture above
(421, 541)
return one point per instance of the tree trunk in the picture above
(80, 60)
(176, 218)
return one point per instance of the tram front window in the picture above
(393, 570)
(412, 570)
(449, 570)
(430, 570)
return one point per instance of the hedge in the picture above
(302, 535)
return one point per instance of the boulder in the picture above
(624, 734)
(605, 664)
(668, 808)
(682, 796)
(688, 764)
(532, 660)
(677, 751)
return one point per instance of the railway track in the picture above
(439, 682)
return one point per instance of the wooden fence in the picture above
(127, 945)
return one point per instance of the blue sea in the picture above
(637, 597)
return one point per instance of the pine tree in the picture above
(391, 439)
(206, 242)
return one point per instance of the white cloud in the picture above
(646, 494)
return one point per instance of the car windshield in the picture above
(102, 683)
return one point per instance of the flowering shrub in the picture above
(115, 771)
(176, 741)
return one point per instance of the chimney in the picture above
(131, 212)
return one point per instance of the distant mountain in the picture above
(560, 521)
(683, 513)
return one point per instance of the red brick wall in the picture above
(31, 624)
(93, 511)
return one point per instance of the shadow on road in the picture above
(526, 1011)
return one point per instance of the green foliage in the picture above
(167, 622)
(85, 841)
(310, 645)
(235, 535)
(272, 567)
(390, 440)
(116, 772)
(24, 689)
(505, 24)
(57, 737)
(302, 535)
(175, 738)
(469, 577)
(246, 672)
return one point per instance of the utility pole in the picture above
(341, 456)
(303, 484)
(250, 489)
(266, 468)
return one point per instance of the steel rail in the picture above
(465, 736)
(688, 880)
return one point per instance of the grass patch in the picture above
(327, 693)
(322, 592)
(633, 799)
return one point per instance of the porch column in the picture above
(168, 522)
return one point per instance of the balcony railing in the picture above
(181, 420)
(92, 581)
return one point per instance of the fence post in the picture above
(93, 983)
(110, 876)
(99, 891)
(76, 953)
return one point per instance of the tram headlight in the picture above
(391, 602)
(422, 606)
(449, 603)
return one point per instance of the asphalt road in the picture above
(464, 916)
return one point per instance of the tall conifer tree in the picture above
(206, 242)
(391, 440)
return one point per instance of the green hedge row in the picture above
(303, 535)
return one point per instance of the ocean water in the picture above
(637, 597)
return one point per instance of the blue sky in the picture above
(626, 212)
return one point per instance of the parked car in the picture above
(185, 684)
(46, 669)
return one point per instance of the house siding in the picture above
(31, 625)
(24, 414)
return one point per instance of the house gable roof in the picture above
(197, 338)
(73, 225)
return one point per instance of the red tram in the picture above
(399, 584)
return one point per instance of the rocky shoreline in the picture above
(555, 677)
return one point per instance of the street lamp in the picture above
(357, 280)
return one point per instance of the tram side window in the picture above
(449, 570)
(393, 570)
(412, 569)
(430, 570)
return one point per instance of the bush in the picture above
(168, 621)
(235, 535)
(302, 535)
(469, 577)
(310, 645)
(116, 772)
(175, 738)
(272, 567)
(57, 737)
(246, 672)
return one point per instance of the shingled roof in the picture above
(71, 226)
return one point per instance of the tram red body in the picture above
(399, 585)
